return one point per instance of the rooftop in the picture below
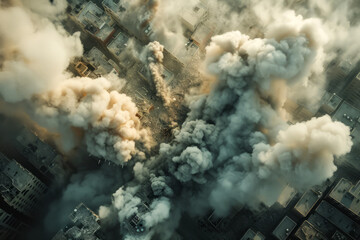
(321, 224)
(350, 116)
(330, 102)
(13, 178)
(85, 224)
(116, 8)
(287, 194)
(93, 19)
(347, 195)
(308, 232)
(202, 35)
(307, 202)
(339, 219)
(338, 236)
(118, 44)
(192, 17)
(120, 48)
(100, 61)
(18, 175)
(40, 154)
(251, 235)
(285, 227)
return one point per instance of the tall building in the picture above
(347, 196)
(41, 156)
(10, 226)
(92, 20)
(20, 189)
(84, 226)
(352, 91)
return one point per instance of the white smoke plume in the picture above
(27, 69)
(152, 55)
(34, 56)
(108, 118)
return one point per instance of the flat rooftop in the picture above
(251, 235)
(330, 102)
(347, 114)
(339, 219)
(350, 116)
(285, 227)
(321, 224)
(308, 232)
(347, 195)
(95, 20)
(287, 194)
(118, 44)
(91, 14)
(85, 225)
(100, 61)
(306, 202)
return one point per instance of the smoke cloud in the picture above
(24, 37)
(35, 53)
(235, 147)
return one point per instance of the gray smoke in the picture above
(235, 148)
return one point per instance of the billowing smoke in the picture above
(26, 69)
(152, 55)
(34, 56)
(302, 156)
(236, 148)
(107, 117)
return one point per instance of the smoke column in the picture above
(152, 55)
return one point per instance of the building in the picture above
(284, 229)
(42, 156)
(85, 69)
(176, 53)
(120, 14)
(20, 189)
(329, 103)
(347, 195)
(252, 235)
(102, 65)
(339, 219)
(321, 224)
(287, 194)
(84, 226)
(338, 236)
(307, 202)
(308, 232)
(352, 91)
(10, 226)
(191, 18)
(336, 74)
(350, 116)
(118, 47)
(92, 20)
(202, 36)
